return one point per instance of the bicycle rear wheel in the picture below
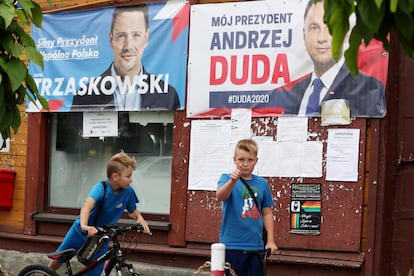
(37, 270)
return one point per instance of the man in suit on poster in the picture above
(329, 79)
(126, 85)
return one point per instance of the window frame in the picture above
(38, 147)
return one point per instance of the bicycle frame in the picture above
(114, 257)
(106, 256)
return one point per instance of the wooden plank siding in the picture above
(12, 219)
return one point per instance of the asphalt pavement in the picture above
(14, 261)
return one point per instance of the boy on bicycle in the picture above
(242, 224)
(119, 196)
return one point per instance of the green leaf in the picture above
(37, 15)
(34, 56)
(21, 93)
(393, 5)
(3, 62)
(410, 5)
(4, 112)
(351, 54)
(23, 37)
(31, 85)
(27, 6)
(337, 18)
(370, 14)
(7, 13)
(44, 103)
(404, 24)
(363, 29)
(340, 29)
(16, 71)
(378, 3)
(406, 45)
(7, 42)
(1, 99)
(16, 119)
(23, 17)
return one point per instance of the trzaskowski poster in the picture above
(113, 59)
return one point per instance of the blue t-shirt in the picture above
(242, 224)
(113, 208)
(114, 204)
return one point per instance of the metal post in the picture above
(217, 259)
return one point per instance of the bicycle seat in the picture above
(70, 252)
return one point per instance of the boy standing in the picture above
(242, 225)
(119, 196)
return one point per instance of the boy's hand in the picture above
(273, 247)
(91, 230)
(144, 224)
(235, 175)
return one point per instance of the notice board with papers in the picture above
(340, 206)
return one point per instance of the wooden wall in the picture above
(12, 219)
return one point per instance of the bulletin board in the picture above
(341, 202)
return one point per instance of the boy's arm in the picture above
(84, 216)
(269, 226)
(224, 191)
(136, 215)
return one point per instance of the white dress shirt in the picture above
(327, 80)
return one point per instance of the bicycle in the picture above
(114, 257)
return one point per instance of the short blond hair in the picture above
(248, 145)
(120, 162)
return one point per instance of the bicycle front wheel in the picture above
(37, 270)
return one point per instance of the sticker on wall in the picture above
(305, 209)
(6, 144)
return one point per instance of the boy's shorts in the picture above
(245, 263)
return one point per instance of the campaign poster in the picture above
(305, 209)
(136, 62)
(252, 54)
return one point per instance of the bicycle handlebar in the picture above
(114, 230)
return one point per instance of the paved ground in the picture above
(14, 262)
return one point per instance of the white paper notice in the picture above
(342, 155)
(210, 153)
(292, 128)
(241, 120)
(100, 124)
(290, 159)
(268, 156)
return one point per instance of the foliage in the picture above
(375, 19)
(16, 46)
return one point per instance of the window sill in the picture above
(319, 258)
(63, 218)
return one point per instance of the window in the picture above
(77, 162)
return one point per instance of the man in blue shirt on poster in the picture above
(126, 85)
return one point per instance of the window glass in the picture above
(77, 162)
